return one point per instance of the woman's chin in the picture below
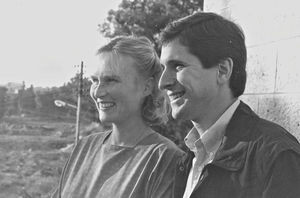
(105, 120)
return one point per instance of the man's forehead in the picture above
(169, 51)
(174, 51)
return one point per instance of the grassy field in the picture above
(32, 154)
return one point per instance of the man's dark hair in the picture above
(212, 38)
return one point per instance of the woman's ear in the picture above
(149, 85)
(225, 68)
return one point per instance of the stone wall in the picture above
(272, 30)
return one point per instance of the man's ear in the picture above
(225, 68)
(149, 84)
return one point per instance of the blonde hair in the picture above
(155, 107)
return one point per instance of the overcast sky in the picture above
(42, 40)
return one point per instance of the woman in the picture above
(130, 160)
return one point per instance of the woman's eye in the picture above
(94, 81)
(103, 81)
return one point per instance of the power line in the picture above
(273, 41)
(272, 93)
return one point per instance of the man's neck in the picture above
(207, 121)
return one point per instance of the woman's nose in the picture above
(98, 91)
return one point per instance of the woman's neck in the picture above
(129, 133)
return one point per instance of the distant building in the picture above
(13, 87)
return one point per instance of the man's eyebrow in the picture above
(176, 62)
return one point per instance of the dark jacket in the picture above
(257, 158)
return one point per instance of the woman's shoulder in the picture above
(96, 135)
(162, 143)
(92, 139)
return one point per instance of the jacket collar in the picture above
(233, 150)
(234, 147)
(212, 137)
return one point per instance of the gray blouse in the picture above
(99, 169)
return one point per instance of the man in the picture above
(233, 152)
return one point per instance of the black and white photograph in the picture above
(150, 99)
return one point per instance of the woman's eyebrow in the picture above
(111, 76)
(92, 78)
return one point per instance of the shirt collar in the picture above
(213, 135)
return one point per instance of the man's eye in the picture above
(179, 67)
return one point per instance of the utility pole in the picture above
(79, 103)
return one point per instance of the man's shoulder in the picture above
(270, 144)
(270, 140)
(260, 129)
(262, 135)
(272, 134)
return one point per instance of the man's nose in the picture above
(167, 80)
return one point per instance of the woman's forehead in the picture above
(109, 61)
(115, 64)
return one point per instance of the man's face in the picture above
(192, 89)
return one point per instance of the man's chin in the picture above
(178, 114)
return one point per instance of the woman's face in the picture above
(117, 89)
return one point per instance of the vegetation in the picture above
(146, 17)
(40, 101)
(3, 97)
(33, 151)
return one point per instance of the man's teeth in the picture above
(176, 95)
(106, 105)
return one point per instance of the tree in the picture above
(20, 98)
(45, 102)
(29, 99)
(146, 17)
(3, 91)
